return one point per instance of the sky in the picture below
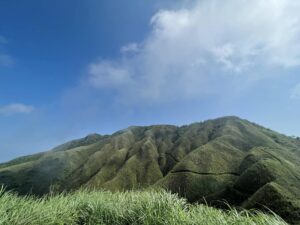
(69, 68)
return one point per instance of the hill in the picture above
(223, 159)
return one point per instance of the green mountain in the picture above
(223, 159)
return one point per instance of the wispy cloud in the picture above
(130, 48)
(191, 51)
(2, 40)
(15, 108)
(295, 92)
(108, 74)
(5, 59)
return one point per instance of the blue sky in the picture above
(70, 68)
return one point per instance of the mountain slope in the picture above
(227, 158)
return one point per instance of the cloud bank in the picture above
(198, 50)
(15, 108)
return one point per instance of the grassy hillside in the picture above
(107, 208)
(228, 158)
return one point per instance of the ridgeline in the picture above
(228, 158)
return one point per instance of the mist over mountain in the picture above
(223, 159)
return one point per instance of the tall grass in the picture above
(126, 208)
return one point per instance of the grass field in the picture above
(127, 208)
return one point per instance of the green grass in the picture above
(120, 208)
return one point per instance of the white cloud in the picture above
(295, 92)
(107, 74)
(15, 108)
(191, 52)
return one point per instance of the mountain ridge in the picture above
(225, 158)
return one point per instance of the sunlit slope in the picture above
(226, 158)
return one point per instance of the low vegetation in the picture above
(132, 207)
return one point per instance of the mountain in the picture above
(223, 159)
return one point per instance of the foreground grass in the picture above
(128, 208)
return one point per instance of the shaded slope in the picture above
(226, 158)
